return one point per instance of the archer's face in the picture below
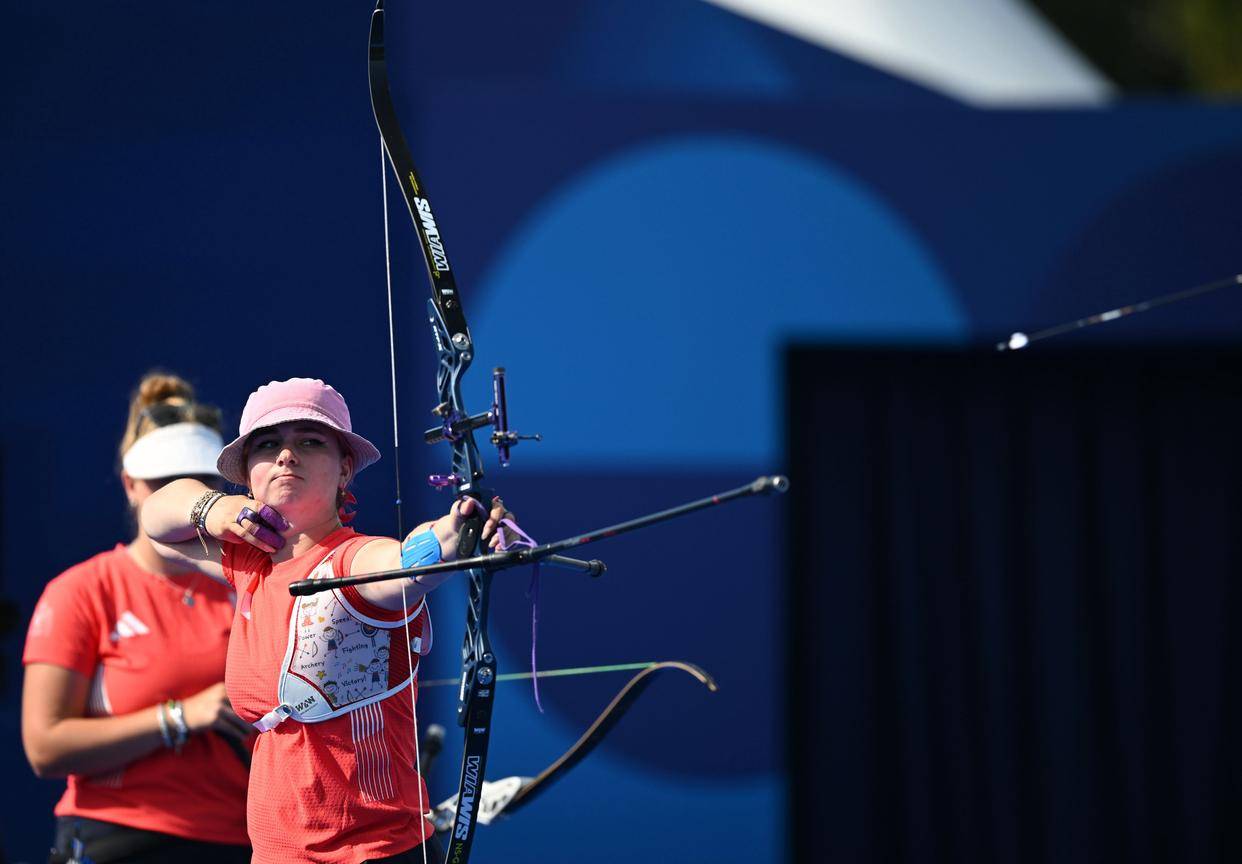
(297, 467)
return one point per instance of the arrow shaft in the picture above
(546, 673)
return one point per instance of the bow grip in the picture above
(471, 530)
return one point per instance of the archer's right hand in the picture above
(239, 519)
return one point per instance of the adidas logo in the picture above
(128, 626)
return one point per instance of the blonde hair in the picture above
(164, 389)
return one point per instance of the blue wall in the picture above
(643, 203)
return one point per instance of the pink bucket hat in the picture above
(295, 399)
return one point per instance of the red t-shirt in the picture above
(342, 790)
(131, 634)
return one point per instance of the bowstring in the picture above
(409, 644)
(418, 756)
(392, 342)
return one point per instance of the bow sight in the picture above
(455, 425)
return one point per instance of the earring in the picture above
(344, 504)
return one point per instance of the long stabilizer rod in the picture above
(1019, 340)
(773, 485)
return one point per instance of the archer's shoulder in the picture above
(363, 553)
(91, 582)
(101, 567)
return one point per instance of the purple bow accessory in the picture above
(264, 527)
(522, 539)
(269, 515)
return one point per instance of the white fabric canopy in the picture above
(993, 53)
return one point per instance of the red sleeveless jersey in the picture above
(131, 634)
(342, 790)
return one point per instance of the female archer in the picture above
(125, 673)
(333, 777)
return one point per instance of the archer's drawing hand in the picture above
(238, 519)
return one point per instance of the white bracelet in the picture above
(177, 715)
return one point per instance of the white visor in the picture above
(177, 450)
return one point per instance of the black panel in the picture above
(1013, 591)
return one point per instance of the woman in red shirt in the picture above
(124, 673)
(324, 677)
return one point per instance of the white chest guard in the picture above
(340, 659)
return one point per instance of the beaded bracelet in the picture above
(198, 513)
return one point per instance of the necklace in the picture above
(187, 596)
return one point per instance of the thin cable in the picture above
(392, 341)
(1019, 340)
(396, 443)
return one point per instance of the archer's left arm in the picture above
(385, 554)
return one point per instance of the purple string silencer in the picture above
(521, 538)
